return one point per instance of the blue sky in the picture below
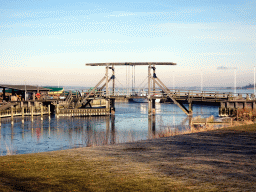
(46, 41)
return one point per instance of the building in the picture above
(21, 92)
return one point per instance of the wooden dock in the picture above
(84, 112)
(19, 109)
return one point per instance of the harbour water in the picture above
(130, 123)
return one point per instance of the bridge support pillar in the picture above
(149, 106)
(154, 124)
(108, 110)
(113, 131)
(150, 133)
(112, 106)
(151, 126)
(153, 106)
(190, 108)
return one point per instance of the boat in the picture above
(143, 96)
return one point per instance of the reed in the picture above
(172, 131)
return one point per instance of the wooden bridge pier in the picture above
(238, 107)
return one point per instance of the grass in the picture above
(130, 167)
(61, 171)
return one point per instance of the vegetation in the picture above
(250, 86)
(72, 171)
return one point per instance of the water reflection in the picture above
(130, 123)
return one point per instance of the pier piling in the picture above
(32, 112)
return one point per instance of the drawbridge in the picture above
(153, 81)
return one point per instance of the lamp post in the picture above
(173, 83)
(254, 81)
(201, 81)
(25, 91)
(235, 80)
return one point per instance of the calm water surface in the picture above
(130, 123)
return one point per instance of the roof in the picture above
(24, 87)
(131, 63)
(54, 89)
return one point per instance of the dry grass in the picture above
(73, 170)
(218, 160)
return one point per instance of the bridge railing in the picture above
(178, 93)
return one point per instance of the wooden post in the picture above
(190, 121)
(107, 81)
(150, 134)
(154, 75)
(190, 108)
(49, 111)
(107, 106)
(149, 92)
(22, 114)
(11, 114)
(112, 106)
(42, 111)
(32, 112)
(113, 130)
(153, 125)
(57, 109)
(4, 99)
(153, 106)
(149, 106)
(34, 96)
(154, 89)
(113, 75)
(149, 75)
